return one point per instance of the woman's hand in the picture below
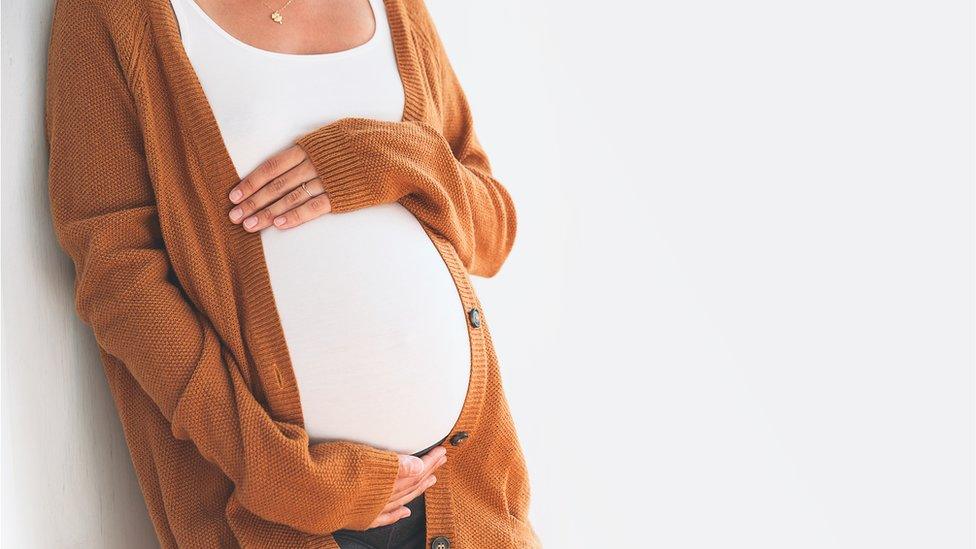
(415, 476)
(274, 194)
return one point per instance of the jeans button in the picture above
(440, 542)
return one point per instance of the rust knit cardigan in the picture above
(180, 304)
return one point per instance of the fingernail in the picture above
(235, 195)
(279, 221)
(415, 465)
(431, 481)
(236, 214)
(406, 513)
(250, 222)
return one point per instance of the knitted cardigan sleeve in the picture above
(105, 218)
(439, 172)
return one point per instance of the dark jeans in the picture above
(406, 533)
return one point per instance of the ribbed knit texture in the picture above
(180, 303)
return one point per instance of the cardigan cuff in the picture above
(376, 474)
(339, 167)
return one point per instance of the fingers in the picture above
(431, 461)
(398, 510)
(410, 466)
(410, 472)
(268, 170)
(403, 494)
(253, 212)
(272, 188)
(298, 196)
(307, 208)
(427, 482)
(390, 517)
(410, 484)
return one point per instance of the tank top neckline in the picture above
(380, 25)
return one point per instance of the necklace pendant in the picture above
(277, 18)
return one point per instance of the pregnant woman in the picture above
(273, 213)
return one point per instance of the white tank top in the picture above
(371, 316)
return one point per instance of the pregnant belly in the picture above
(374, 326)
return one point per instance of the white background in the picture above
(740, 308)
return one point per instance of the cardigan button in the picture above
(474, 317)
(458, 437)
(440, 542)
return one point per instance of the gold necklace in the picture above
(276, 13)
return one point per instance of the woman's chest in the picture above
(264, 100)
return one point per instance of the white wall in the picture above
(739, 312)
